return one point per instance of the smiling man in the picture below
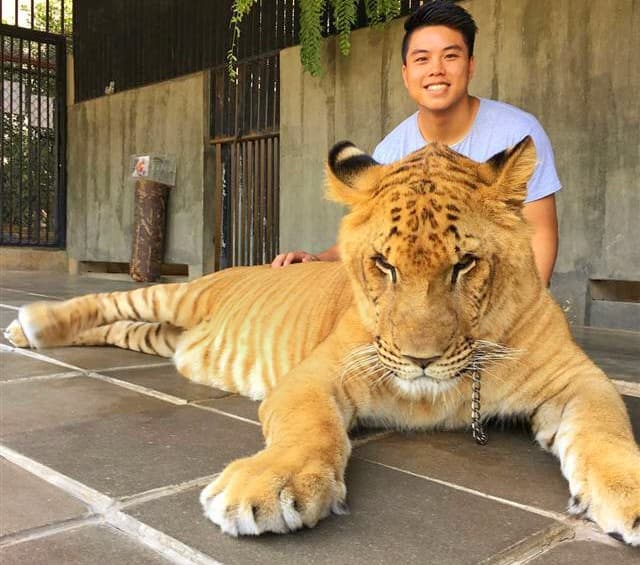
(437, 66)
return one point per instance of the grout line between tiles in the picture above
(165, 545)
(533, 546)
(4, 288)
(626, 388)
(161, 492)
(96, 501)
(51, 377)
(39, 357)
(49, 530)
(138, 388)
(223, 413)
(10, 307)
(528, 508)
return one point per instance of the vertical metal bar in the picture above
(217, 212)
(50, 207)
(5, 116)
(28, 147)
(276, 193)
(21, 142)
(38, 132)
(61, 142)
(47, 15)
(62, 17)
(12, 187)
(268, 200)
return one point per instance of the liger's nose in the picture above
(423, 362)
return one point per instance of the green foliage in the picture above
(239, 10)
(311, 34)
(344, 17)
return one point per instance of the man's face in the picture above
(438, 68)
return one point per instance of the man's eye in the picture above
(385, 267)
(462, 267)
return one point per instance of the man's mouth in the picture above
(439, 87)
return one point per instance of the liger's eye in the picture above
(385, 267)
(463, 266)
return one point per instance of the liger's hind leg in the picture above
(146, 337)
(48, 324)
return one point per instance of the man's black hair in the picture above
(440, 13)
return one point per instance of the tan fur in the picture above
(386, 337)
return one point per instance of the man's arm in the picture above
(284, 259)
(541, 215)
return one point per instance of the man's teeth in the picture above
(436, 87)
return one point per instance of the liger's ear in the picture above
(509, 172)
(351, 174)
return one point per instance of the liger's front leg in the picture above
(587, 427)
(298, 478)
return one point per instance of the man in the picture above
(438, 64)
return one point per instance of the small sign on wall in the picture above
(154, 167)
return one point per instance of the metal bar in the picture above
(38, 137)
(26, 33)
(217, 211)
(27, 108)
(247, 137)
(21, 141)
(61, 129)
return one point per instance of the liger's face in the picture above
(438, 68)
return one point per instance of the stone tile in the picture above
(61, 285)
(510, 466)
(633, 408)
(588, 553)
(18, 298)
(616, 352)
(235, 404)
(167, 380)
(131, 451)
(17, 366)
(27, 408)
(89, 545)
(395, 518)
(7, 315)
(29, 502)
(100, 358)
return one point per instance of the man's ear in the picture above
(352, 175)
(509, 171)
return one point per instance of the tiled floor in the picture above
(105, 452)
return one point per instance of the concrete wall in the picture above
(572, 63)
(169, 117)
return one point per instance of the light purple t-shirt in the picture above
(497, 126)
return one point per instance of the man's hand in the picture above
(285, 259)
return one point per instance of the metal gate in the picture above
(32, 137)
(245, 138)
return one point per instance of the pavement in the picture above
(104, 452)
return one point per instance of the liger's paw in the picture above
(273, 491)
(611, 498)
(14, 334)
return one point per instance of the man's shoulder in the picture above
(508, 116)
(397, 142)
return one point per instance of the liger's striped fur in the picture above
(437, 280)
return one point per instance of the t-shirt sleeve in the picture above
(545, 179)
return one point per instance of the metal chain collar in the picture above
(476, 425)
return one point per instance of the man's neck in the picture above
(450, 125)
